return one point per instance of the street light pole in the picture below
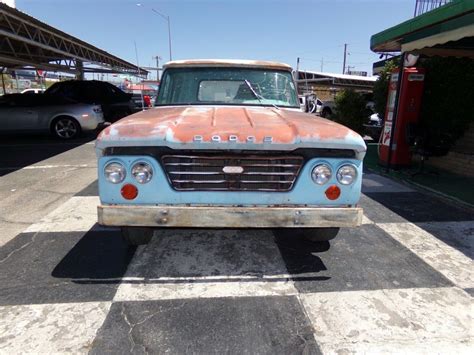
(169, 36)
(157, 67)
(167, 18)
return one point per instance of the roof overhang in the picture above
(336, 80)
(445, 31)
(28, 42)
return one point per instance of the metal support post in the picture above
(396, 109)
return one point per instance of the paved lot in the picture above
(401, 283)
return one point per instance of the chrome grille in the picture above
(257, 173)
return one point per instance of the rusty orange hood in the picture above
(229, 127)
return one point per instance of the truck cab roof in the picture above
(227, 63)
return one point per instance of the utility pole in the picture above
(322, 64)
(157, 57)
(345, 58)
(3, 81)
(297, 74)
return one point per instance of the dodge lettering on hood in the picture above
(227, 146)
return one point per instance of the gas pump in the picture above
(409, 107)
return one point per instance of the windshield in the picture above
(227, 86)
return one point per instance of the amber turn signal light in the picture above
(129, 191)
(333, 192)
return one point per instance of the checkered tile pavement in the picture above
(401, 283)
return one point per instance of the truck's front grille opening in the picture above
(232, 173)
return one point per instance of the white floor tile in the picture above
(50, 328)
(399, 321)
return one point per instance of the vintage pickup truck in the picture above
(226, 146)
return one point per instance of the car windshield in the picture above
(227, 86)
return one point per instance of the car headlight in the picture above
(142, 172)
(115, 173)
(321, 174)
(346, 174)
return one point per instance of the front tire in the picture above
(137, 235)
(65, 128)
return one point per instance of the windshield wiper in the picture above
(257, 96)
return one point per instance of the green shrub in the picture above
(381, 87)
(351, 110)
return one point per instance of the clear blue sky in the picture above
(279, 30)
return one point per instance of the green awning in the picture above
(436, 32)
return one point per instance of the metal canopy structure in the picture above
(28, 42)
(336, 80)
(444, 31)
(443, 28)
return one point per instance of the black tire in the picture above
(137, 235)
(326, 112)
(65, 127)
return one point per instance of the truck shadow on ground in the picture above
(51, 267)
(363, 258)
(197, 256)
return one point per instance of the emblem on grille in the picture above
(232, 139)
(233, 169)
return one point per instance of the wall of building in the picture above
(460, 159)
(324, 93)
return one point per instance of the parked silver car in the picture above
(62, 117)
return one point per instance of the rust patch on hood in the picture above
(181, 124)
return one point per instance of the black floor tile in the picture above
(377, 212)
(247, 325)
(62, 267)
(363, 258)
(90, 190)
(413, 207)
(470, 291)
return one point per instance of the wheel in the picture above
(137, 235)
(65, 127)
(320, 234)
(326, 112)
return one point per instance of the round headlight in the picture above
(321, 174)
(115, 173)
(142, 172)
(346, 174)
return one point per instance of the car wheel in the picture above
(137, 235)
(65, 128)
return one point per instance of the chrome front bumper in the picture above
(228, 217)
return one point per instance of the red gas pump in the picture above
(409, 106)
